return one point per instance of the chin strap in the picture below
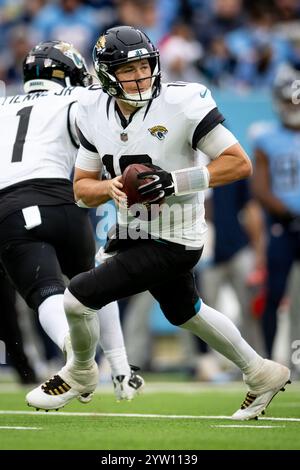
(138, 100)
(135, 104)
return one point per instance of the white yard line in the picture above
(132, 415)
(244, 426)
(21, 428)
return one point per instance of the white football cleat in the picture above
(263, 386)
(85, 398)
(127, 386)
(63, 387)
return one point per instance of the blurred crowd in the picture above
(236, 43)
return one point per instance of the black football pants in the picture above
(165, 269)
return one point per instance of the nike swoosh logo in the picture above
(203, 93)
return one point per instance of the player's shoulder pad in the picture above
(180, 93)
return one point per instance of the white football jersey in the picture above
(166, 133)
(35, 142)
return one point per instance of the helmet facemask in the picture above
(140, 98)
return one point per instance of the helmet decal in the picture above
(100, 44)
(137, 53)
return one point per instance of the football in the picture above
(131, 183)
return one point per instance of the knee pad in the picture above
(73, 306)
(41, 293)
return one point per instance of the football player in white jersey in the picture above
(43, 233)
(135, 119)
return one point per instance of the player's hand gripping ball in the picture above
(137, 204)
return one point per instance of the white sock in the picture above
(84, 331)
(221, 334)
(112, 340)
(53, 319)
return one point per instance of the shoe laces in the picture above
(55, 386)
(249, 399)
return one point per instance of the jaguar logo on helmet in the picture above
(69, 51)
(100, 44)
(62, 46)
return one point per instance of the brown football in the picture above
(131, 183)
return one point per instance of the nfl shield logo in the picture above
(124, 137)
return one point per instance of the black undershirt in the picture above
(124, 121)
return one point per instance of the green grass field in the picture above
(184, 416)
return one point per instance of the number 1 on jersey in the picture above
(24, 114)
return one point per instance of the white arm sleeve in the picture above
(216, 141)
(87, 160)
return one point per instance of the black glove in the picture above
(161, 186)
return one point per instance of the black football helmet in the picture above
(286, 95)
(53, 63)
(121, 45)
